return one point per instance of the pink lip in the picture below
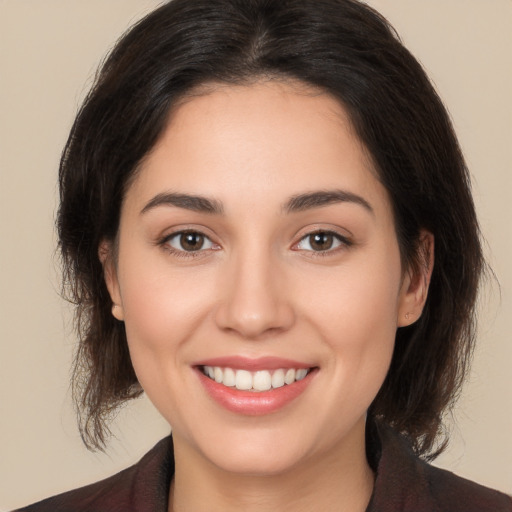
(252, 403)
(246, 363)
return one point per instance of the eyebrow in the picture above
(297, 203)
(188, 202)
(317, 199)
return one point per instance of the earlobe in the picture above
(117, 312)
(105, 254)
(414, 290)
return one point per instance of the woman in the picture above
(266, 224)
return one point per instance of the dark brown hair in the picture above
(342, 47)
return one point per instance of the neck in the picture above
(340, 481)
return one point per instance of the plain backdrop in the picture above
(49, 50)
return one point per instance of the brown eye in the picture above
(189, 241)
(322, 241)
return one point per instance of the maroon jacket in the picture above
(403, 483)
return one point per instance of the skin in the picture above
(257, 288)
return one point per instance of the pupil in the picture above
(321, 241)
(192, 241)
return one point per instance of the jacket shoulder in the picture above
(136, 488)
(109, 494)
(407, 483)
(452, 493)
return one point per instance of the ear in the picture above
(107, 259)
(414, 289)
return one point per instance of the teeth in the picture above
(229, 377)
(300, 374)
(262, 380)
(243, 379)
(278, 379)
(289, 377)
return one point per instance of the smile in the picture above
(254, 387)
(258, 381)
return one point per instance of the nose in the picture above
(254, 302)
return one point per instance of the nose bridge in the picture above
(254, 301)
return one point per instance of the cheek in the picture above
(355, 309)
(162, 308)
(361, 295)
(162, 312)
(156, 294)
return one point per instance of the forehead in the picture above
(269, 138)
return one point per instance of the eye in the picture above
(322, 241)
(189, 241)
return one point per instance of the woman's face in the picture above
(256, 245)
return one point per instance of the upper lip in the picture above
(253, 364)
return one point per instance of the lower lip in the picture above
(254, 403)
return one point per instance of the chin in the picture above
(258, 452)
(254, 461)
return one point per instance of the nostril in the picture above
(253, 320)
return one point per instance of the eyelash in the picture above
(182, 253)
(343, 241)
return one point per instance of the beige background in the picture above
(49, 50)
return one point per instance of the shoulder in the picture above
(136, 488)
(452, 492)
(407, 483)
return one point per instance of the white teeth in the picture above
(229, 377)
(300, 374)
(243, 380)
(261, 380)
(289, 376)
(278, 379)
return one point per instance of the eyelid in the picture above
(344, 241)
(163, 242)
(179, 234)
(178, 229)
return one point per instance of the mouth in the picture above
(254, 387)
(256, 381)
